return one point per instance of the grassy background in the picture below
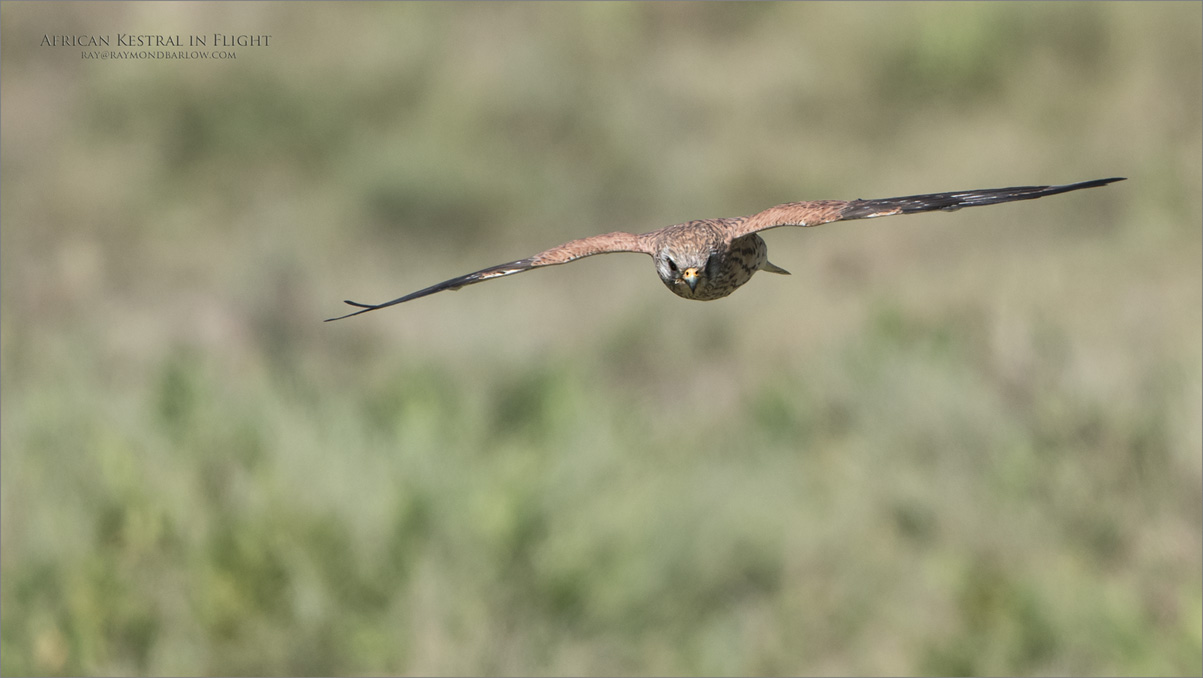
(949, 444)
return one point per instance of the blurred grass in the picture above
(956, 444)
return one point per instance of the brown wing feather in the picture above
(825, 211)
(810, 213)
(562, 254)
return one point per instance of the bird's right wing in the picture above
(562, 254)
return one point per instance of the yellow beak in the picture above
(690, 276)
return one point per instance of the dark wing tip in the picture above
(1053, 190)
(364, 308)
(949, 202)
(452, 284)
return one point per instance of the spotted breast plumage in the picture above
(709, 259)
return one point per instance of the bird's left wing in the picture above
(818, 212)
(562, 254)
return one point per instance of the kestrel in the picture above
(708, 259)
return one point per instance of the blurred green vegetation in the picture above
(948, 444)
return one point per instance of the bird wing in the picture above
(818, 212)
(562, 254)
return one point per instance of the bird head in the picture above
(688, 272)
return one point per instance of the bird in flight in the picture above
(708, 259)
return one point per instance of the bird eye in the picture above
(672, 265)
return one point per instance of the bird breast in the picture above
(737, 262)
